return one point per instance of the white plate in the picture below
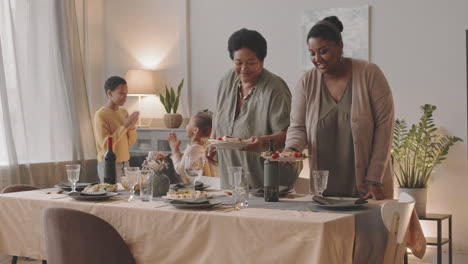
(284, 159)
(228, 145)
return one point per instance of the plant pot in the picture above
(420, 196)
(172, 120)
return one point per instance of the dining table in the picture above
(292, 230)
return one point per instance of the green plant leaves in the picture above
(171, 100)
(415, 152)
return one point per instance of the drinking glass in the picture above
(131, 175)
(73, 174)
(194, 168)
(145, 181)
(320, 180)
(239, 180)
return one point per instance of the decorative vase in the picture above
(160, 184)
(172, 120)
(420, 197)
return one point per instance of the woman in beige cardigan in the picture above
(342, 111)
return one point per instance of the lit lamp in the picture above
(140, 83)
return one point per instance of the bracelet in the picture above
(372, 183)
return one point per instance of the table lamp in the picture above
(140, 82)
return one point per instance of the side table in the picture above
(439, 241)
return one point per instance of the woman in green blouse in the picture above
(252, 103)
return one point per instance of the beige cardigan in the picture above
(372, 121)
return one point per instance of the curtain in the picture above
(45, 119)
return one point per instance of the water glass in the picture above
(194, 168)
(145, 181)
(320, 180)
(132, 177)
(73, 174)
(239, 180)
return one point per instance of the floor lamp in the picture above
(140, 82)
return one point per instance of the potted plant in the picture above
(415, 153)
(171, 103)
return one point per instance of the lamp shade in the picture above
(140, 82)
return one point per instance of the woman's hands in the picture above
(374, 191)
(174, 143)
(210, 154)
(258, 144)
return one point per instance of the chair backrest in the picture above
(19, 188)
(75, 237)
(396, 216)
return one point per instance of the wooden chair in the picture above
(19, 188)
(396, 216)
(76, 237)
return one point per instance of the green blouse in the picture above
(335, 150)
(265, 112)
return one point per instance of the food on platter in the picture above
(228, 139)
(101, 187)
(185, 194)
(284, 156)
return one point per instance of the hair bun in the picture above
(335, 21)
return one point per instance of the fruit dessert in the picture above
(287, 155)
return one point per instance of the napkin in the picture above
(201, 200)
(186, 185)
(330, 201)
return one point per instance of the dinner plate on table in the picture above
(67, 187)
(195, 206)
(331, 203)
(83, 197)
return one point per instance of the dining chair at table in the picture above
(396, 217)
(19, 188)
(76, 237)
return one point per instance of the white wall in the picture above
(419, 44)
(149, 34)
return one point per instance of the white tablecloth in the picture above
(168, 235)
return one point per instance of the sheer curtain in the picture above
(45, 120)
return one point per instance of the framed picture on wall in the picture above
(355, 34)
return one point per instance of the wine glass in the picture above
(73, 174)
(194, 168)
(131, 173)
(320, 179)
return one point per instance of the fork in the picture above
(234, 207)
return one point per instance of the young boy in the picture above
(113, 120)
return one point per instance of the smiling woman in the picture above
(343, 112)
(252, 103)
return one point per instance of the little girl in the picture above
(198, 131)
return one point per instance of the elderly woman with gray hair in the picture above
(342, 111)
